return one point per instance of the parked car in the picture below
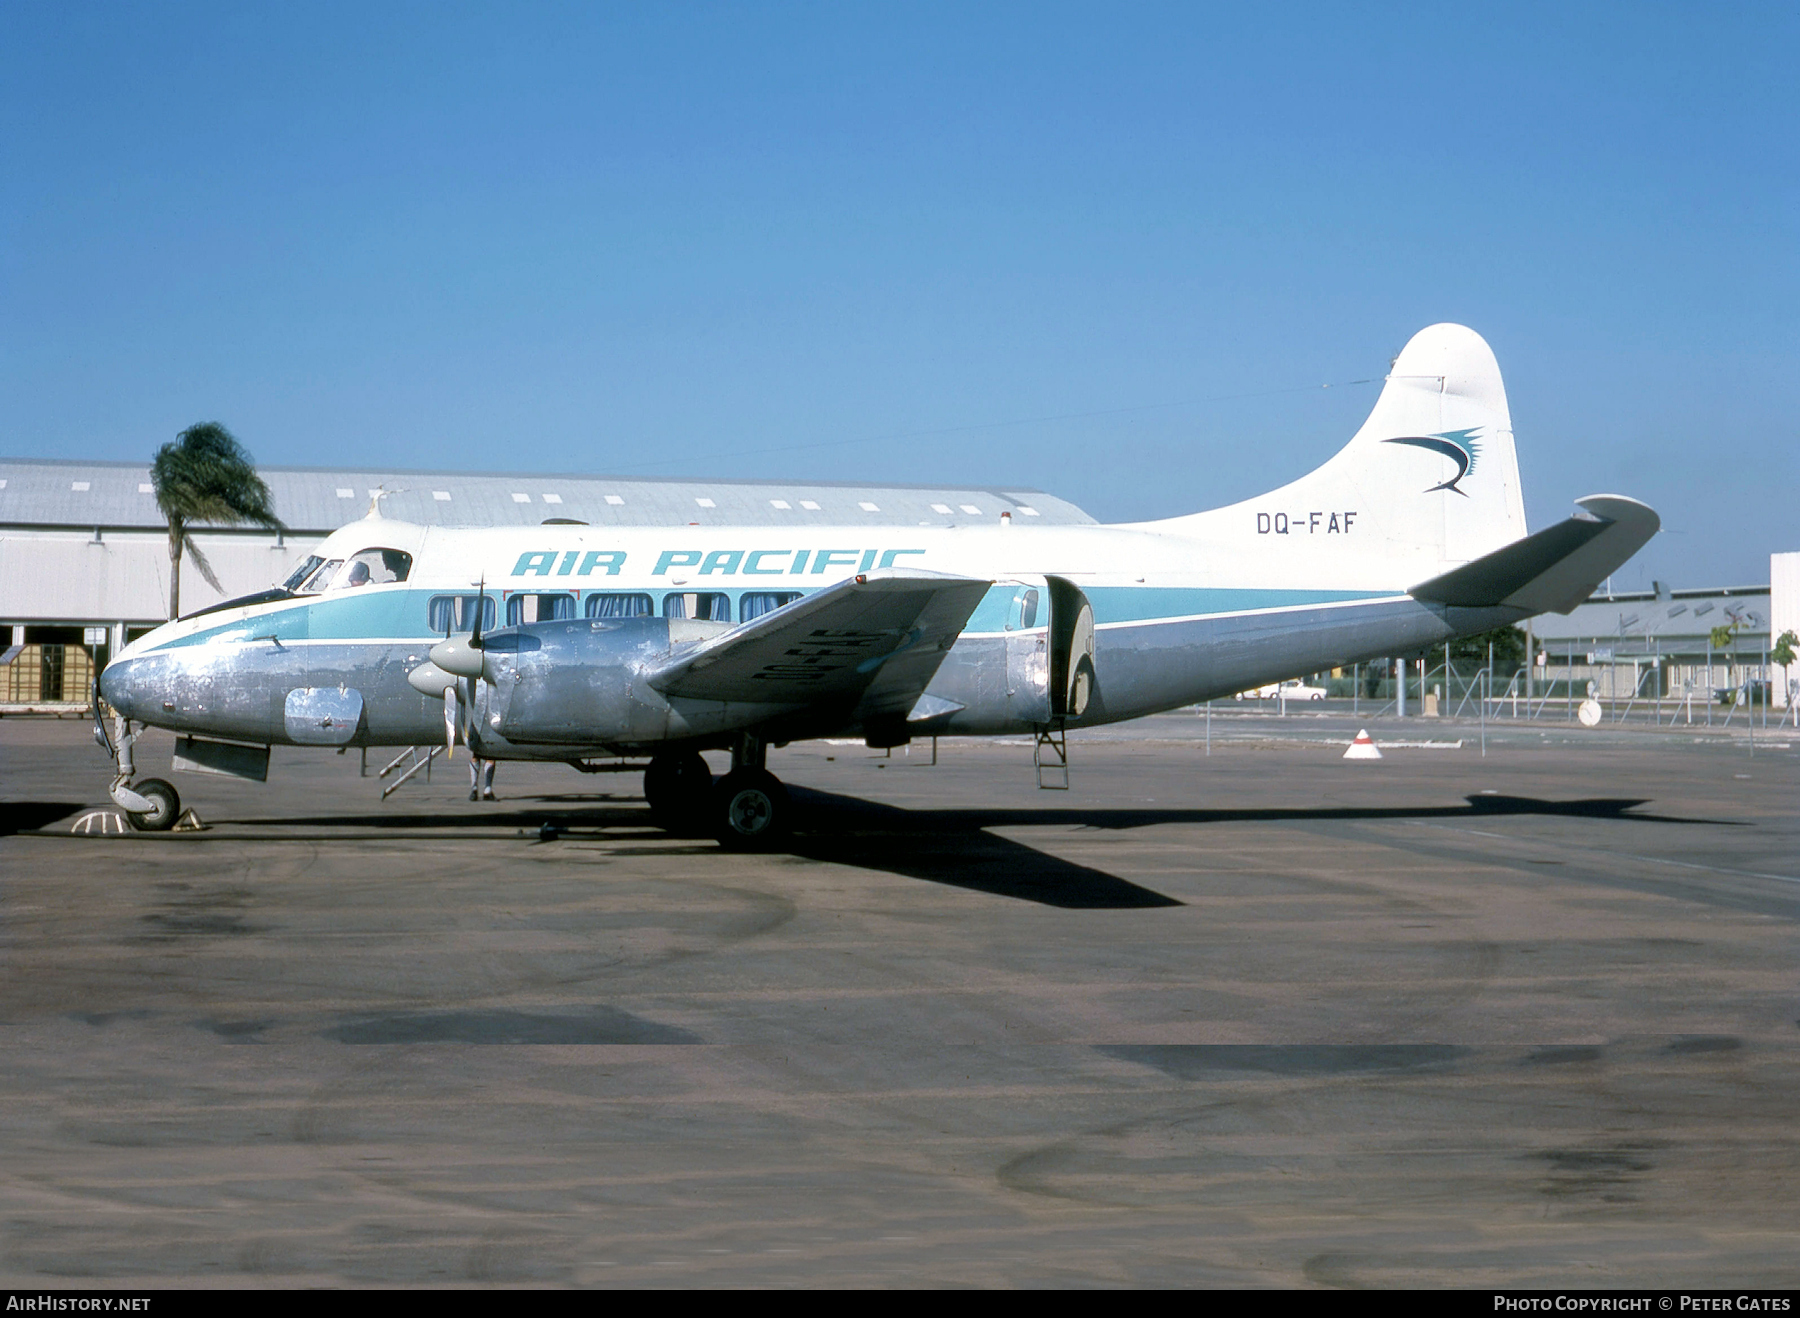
(1294, 689)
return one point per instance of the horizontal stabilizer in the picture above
(872, 642)
(1554, 570)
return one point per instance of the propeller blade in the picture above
(450, 723)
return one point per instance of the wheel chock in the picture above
(100, 821)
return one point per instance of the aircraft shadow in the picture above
(28, 816)
(957, 848)
(953, 848)
(564, 816)
(841, 829)
(1477, 807)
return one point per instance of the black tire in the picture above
(679, 789)
(749, 810)
(165, 802)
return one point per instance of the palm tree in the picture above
(206, 476)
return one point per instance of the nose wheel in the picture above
(165, 806)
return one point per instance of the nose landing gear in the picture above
(153, 805)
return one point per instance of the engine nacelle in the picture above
(577, 682)
(581, 683)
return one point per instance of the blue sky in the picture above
(883, 243)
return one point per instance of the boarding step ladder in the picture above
(407, 764)
(1050, 756)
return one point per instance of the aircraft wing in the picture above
(1554, 570)
(871, 642)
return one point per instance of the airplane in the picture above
(663, 642)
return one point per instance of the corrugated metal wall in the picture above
(68, 577)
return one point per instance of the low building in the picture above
(1665, 643)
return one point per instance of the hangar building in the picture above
(84, 560)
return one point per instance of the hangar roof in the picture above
(47, 492)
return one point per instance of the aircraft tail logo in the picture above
(1459, 446)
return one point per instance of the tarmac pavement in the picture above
(1258, 1017)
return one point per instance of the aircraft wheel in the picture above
(165, 808)
(750, 810)
(678, 788)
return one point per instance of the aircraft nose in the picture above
(121, 686)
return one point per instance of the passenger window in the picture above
(538, 608)
(707, 605)
(755, 604)
(448, 613)
(601, 605)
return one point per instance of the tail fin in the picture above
(1431, 479)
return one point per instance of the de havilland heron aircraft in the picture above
(665, 642)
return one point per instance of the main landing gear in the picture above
(746, 810)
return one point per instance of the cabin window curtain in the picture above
(619, 606)
(757, 603)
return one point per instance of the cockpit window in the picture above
(301, 573)
(317, 579)
(375, 567)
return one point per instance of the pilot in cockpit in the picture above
(358, 574)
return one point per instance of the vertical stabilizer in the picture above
(1430, 479)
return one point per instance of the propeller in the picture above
(457, 658)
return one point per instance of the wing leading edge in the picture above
(870, 643)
